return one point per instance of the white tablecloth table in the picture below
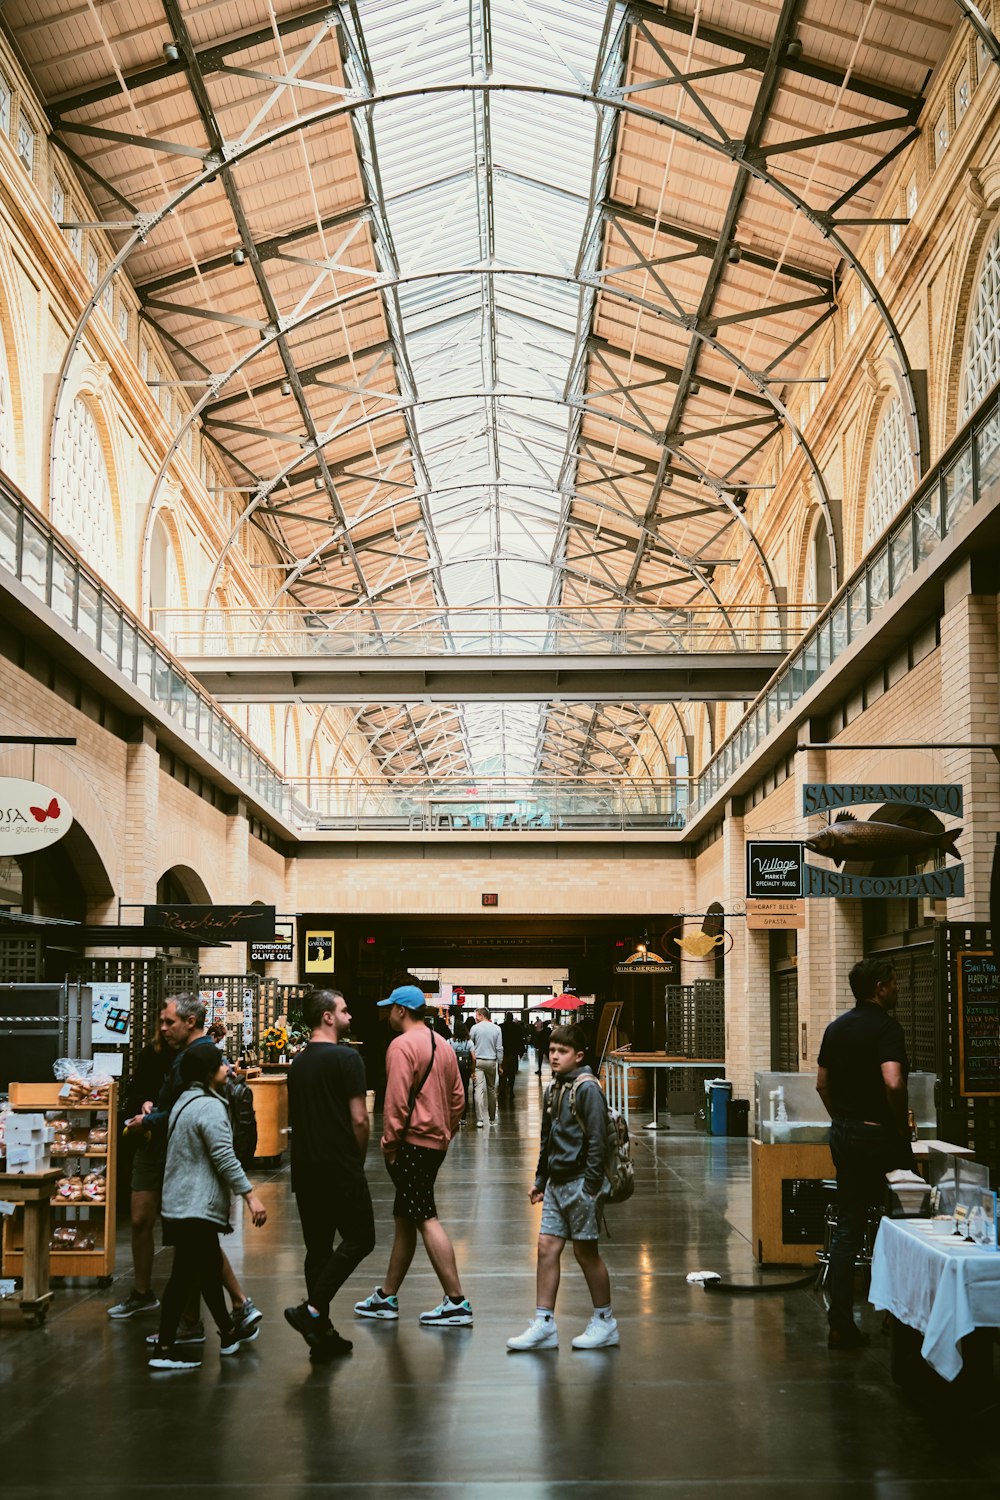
(940, 1285)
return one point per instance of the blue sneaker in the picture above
(378, 1306)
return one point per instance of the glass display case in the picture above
(787, 1108)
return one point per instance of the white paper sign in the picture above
(111, 1012)
(31, 815)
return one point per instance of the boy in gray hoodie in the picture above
(569, 1181)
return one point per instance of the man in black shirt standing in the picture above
(329, 1137)
(861, 1079)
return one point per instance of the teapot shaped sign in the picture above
(32, 816)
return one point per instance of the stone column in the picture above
(971, 715)
(748, 985)
(142, 812)
(236, 889)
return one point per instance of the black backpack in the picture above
(239, 1099)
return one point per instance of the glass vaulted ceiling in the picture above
(479, 187)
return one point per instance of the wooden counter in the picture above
(270, 1103)
(33, 1190)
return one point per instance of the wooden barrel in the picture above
(636, 1088)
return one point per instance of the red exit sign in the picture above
(491, 898)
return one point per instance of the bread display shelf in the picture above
(99, 1262)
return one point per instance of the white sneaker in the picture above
(479, 1124)
(600, 1333)
(539, 1334)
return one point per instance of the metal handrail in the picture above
(968, 470)
(49, 568)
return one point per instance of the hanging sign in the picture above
(774, 870)
(280, 951)
(765, 916)
(823, 796)
(234, 924)
(32, 816)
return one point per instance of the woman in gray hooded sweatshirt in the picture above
(201, 1173)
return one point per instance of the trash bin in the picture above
(737, 1117)
(720, 1091)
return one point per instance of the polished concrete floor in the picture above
(707, 1395)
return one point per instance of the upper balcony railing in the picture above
(395, 631)
(56, 577)
(968, 474)
(490, 803)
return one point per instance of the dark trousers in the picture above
(330, 1203)
(862, 1154)
(197, 1272)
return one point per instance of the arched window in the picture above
(818, 586)
(164, 577)
(982, 344)
(82, 507)
(6, 413)
(891, 478)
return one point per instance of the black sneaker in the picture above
(169, 1357)
(331, 1344)
(313, 1330)
(186, 1335)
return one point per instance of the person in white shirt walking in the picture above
(487, 1042)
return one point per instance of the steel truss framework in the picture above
(413, 410)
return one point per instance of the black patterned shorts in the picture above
(414, 1172)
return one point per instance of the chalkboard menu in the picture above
(979, 1024)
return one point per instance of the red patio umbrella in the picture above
(562, 1002)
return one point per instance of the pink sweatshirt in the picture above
(440, 1103)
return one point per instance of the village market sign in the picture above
(32, 816)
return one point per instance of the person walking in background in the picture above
(152, 1066)
(487, 1042)
(329, 1138)
(201, 1172)
(424, 1099)
(568, 1183)
(513, 1047)
(541, 1034)
(465, 1055)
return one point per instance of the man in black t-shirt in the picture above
(861, 1079)
(329, 1126)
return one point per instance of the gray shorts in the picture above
(147, 1170)
(568, 1212)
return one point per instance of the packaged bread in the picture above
(64, 1237)
(58, 1123)
(62, 1188)
(76, 1144)
(94, 1187)
(97, 1138)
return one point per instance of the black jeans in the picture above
(862, 1154)
(330, 1202)
(197, 1269)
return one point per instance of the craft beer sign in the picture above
(32, 816)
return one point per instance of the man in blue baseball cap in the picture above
(424, 1102)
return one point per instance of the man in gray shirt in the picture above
(487, 1043)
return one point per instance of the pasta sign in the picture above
(32, 816)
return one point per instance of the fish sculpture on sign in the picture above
(849, 839)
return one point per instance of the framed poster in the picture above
(110, 1013)
(319, 952)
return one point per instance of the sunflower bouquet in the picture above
(275, 1041)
